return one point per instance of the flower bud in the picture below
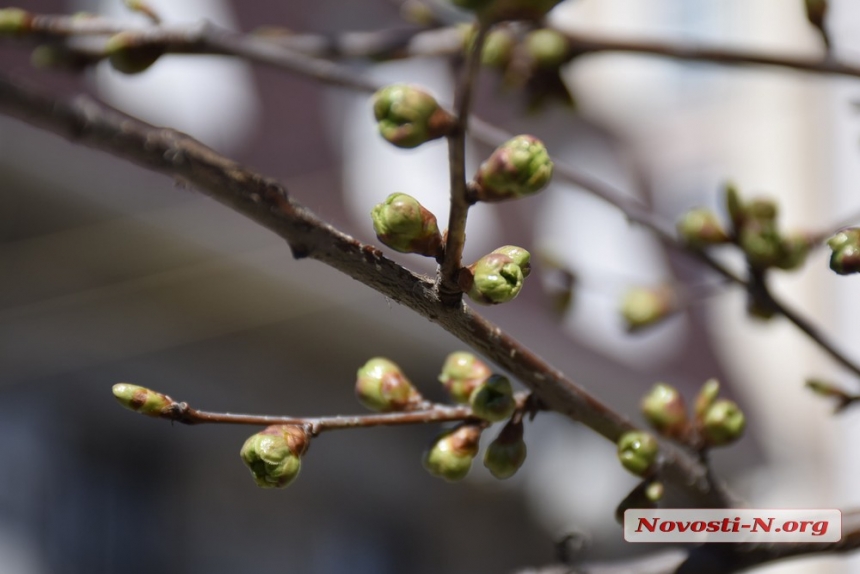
(519, 256)
(845, 258)
(494, 399)
(381, 386)
(723, 423)
(664, 410)
(492, 279)
(461, 374)
(762, 209)
(518, 168)
(498, 47)
(127, 54)
(638, 452)
(403, 224)
(700, 227)
(547, 48)
(642, 306)
(408, 116)
(14, 21)
(795, 248)
(706, 397)
(451, 455)
(761, 244)
(274, 455)
(507, 453)
(142, 400)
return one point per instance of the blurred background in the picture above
(111, 273)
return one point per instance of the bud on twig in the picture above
(461, 374)
(507, 453)
(408, 116)
(664, 410)
(642, 306)
(498, 47)
(403, 224)
(494, 399)
(546, 48)
(700, 227)
(706, 397)
(381, 386)
(845, 258)
(734, 206)
(519, 256)
(451, 455)
(274, 455)
(518, 168)
(127, 54)
(795, 248)
(142, 400)
(493, 279)
(638, 452)
(14, 21)
(723, 423)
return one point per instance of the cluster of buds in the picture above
(755, 230)
(499, 10)
(274, 455)
(845, 256)
(664, 409)
(638, 452)
(720, 421)
(518, 168)
(507, 453)
(408, 116)
(497, 277)
(646, 306)
(381, 386)
(461, 374)
(142, 400)
(403, 224)
(450, 456)
(129, 54)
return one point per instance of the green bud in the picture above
(127, 54)
(654, 491)
(547, 48)
(498, 48)
(381, 386)
(706, 397)
(274, 455)
(664, 410)
(638, 452)
(795, 249)
(494, 399)
(761, 244)
(762, 209)
(450, 456)
(14, 21)
(734, 206)
(408, 116)
(507, 453)
(643, 306)
(492, 279)
(518, 168)
(519, 256)
(403, 224)
(723, 423)
(700, 227)
(142, 400)
(461, 374)
(845, 258)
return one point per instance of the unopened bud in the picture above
(519, 256)
(498, 47)
(547, 48)
(408, 116)
(461, 374)
(492, 279)
(664, 409)
(734, 206)
(638, 452)
(14, 21)
(762, 209)
(795, 248)
(761, 244)
(142, 400)
(700, 227)
(723, 423)
(381, 386)
(451, 455)
(129, 55)
(274, 455)
(706, 397)
(403, 224)
(507, 453)
(845, 258)
(518, 168)
(643, 306)
(494, 399)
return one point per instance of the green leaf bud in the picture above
(408, 116)
(461, 374)
(845, 258)
(14, 21)
(403, 224)
(450, 456)
(498, 48)
(128, 54)
(638, 452)
(795, 249)
(723, 423)
(274, 455)
(762, 209)
(142, 400)
(547, 48)
(644, 306)
(706, 397)
(519, 256)
(494, 399)
(664, 410)
(507, 453)
(518, 168)
(492, 279)
(700, 227)
(762, 244)
(381, 386)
